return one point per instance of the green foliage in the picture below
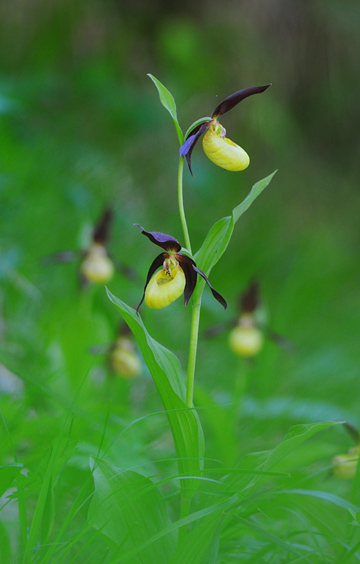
(167, 100)
(129, 509)
(166, 371)
(81, 129)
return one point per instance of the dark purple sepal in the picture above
(216, 294)
(187, 148)
(161, 239)
(187, 264)
(102, 228)
(250, 298)
(153, 268)
(237, 97)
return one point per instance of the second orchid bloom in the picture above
(178, 274)
(217, 147)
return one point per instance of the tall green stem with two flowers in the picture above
(175, 272)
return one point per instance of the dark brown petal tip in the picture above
(161, 239)
(153, 268)
(101, 231)
(187, 148)
(216, 294)
(250, 298)
(237, 97)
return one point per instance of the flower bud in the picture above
(345, 465)
(246, 339)
(124, 360)
(222, 151)
(97, 266)
(165, 287)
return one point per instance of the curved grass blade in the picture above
(129, 508)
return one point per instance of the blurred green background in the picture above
(81, 127)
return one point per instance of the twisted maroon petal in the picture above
(237, 97)
(153, 268)
(161, 239)
(216, 294)
(187, 264)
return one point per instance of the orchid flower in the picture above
(178, 274)
(217, 147)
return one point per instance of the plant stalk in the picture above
(194, 335)
(181, 205)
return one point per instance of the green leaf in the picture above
(331, 498)
(167, 100)
(166, 371)
(5, 547)
(219, 236)
(129, 509)
(7, 476)
(265, 461)
(294, 438)
(190, 542)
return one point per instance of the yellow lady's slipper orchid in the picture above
(178, 275)
(97, 266)
(217, 147)
(246, 339)
(165, 287)
(345, 465)
(123, 359)
(223, 152)
(249, 329)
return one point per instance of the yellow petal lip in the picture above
(163, 289)
(246, 341)
(97, 266)
(222, 151)
(124, 360)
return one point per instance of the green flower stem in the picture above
(194, 335)
(181, 205)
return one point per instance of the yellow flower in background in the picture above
(246, 339)
(178, 275)
(123, 359)
(345, 465)
(97, 267)
(217, 147)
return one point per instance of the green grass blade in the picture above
(326, 496)
(5, 547)
(127, 505)
(8, 475)
(40, 509)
